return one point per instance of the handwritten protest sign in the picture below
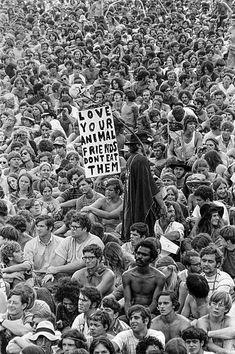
(99, 144)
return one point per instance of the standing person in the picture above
(141, 189)
(130, 110)
(169, 322)
(186, 143)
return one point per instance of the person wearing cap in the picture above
(60, 147)
(141, 188)
(169, 322)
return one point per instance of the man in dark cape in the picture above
(143, 195)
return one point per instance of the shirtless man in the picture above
(218, 324)
(143, 283)
(108, 208)
(197, 302)
(169, 322)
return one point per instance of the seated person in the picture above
(15, 322)
(218, 324)
(88, 302)
(167, 225)
(169, 322)
(149, 344)
(197, 302)
(195, 340)
(108, 208)
(113, 309)
(68, 254)
(66, 296)
(16, 268)
(99, 324)
(95, 272)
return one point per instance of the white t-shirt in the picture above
(127, 342)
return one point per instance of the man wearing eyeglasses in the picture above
(68, 255)
(95, 272)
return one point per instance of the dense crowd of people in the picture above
(138, 262)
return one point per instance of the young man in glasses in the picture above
(68, 255)
(95, 272)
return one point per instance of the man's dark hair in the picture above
(101, 316)
(49, 221)
(197, 285)
(93, 248)
(92, 294)
(204, 192)
(46, 124)
(150, 245)
(186, 258)
(173, 298)
(9, 233)
(78, 338)
(144, 343)
(111, 303)
(213, 249)
(19, 222)
(83, 220)
(117, 184)
(195, 333)
(3, 208)
(45, 145)
(228, 233)
(141, 228)
(144, 312)
(97, 229)
(24, 295)
(201, 241)
(74, 171)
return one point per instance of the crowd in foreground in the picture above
(138, 262)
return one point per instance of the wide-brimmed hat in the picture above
(142, 135)
(210, 208)
(197, 179)
(60, 141)
(174, 162)
(46, 329)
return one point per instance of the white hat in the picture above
(46, 329)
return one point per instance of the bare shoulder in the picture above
(183, 319)
(157, 272)
(128, 273)
(203, 322)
